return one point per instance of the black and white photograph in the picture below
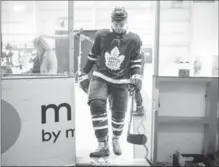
(109, 83)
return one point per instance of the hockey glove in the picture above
(137, 81)
(84, 82)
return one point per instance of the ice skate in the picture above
(101, 151)
(116, 146)
(99, 156)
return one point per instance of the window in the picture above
(33, 33)
(189, 39)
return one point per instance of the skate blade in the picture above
(99, 161)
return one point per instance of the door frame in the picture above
(156, 47)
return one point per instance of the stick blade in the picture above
(138, 139)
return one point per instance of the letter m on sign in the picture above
(56, 109)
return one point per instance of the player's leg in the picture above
(97, 100)
(119, 107)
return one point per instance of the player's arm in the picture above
(92, 56)
(136, 64)
(136, 60)
(91, 60)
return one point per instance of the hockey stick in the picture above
(139, 139)
(81, 38)
(80, 52)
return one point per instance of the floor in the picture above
(115, 162)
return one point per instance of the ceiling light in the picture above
(18, 7)
(146, 4)
(81, 3)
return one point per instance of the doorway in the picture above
(85, 138)
(100, 12)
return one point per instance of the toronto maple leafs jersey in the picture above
(117, 57)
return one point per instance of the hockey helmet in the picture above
(119, 20)
(119, 14)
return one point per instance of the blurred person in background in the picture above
(46, 60)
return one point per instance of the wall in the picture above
(217, 137)
(28, 128)
(184, 104)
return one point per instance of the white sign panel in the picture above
(38, 126)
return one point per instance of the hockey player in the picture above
(115, 54)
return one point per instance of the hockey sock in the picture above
(118, 120)
(99, 119)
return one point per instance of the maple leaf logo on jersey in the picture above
(114, 59)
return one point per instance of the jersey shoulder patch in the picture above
(102, 33)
